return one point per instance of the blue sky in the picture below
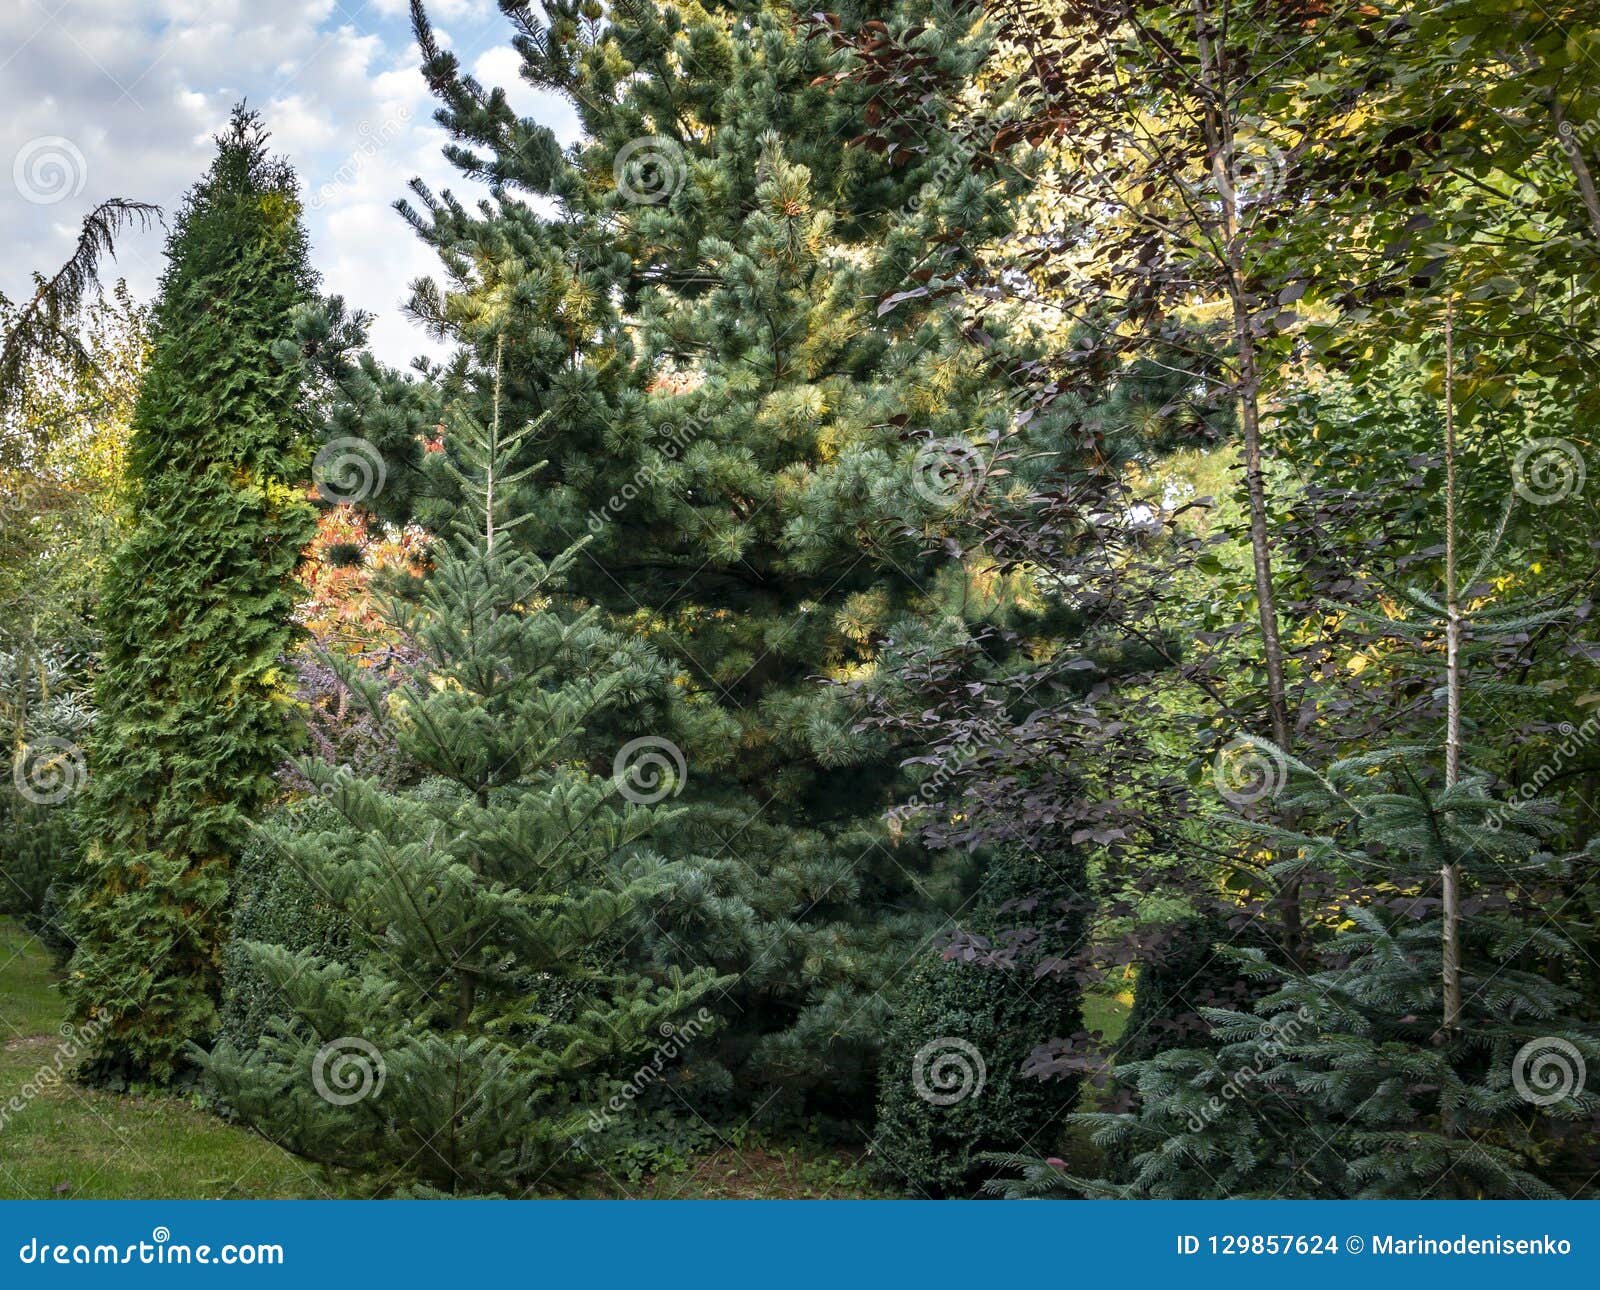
(121, 97)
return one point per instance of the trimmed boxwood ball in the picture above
(275, 903)
(951, 1085)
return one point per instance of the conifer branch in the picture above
(42, 328)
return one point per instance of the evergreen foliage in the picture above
(41, 848)
(480, 999)
(43, 330)
(932, 1146)
(193, 713)
(1341, 1080)
(1177, 979)
(276, 904)
(759, 449)
(42, 696)
(886, 473)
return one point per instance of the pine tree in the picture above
(193, 710)
(486, 909)
(759, 448)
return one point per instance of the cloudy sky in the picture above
(120, 98)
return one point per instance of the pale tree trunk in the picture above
(494, 450)
(1219, 143)
(1451, 873)
(1573, 147)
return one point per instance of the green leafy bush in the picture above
(41, 848)
(275, 903)
(951, 1083)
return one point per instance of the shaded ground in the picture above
(760, 1170)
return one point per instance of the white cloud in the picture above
(139, 88)
(501, 65)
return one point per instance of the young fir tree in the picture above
(1436, 1037)
(758, 446)
(193, 709)
(1342, 1080)
(487, 909)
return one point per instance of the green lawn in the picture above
(1107, 1013)
(71, 1141)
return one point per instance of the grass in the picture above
(1105, 1010)
(758, 1168)
(70, 1141)
(1107, 1013)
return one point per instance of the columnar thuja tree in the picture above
(755, 449)
(193, 711)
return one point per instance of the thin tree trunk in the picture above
(1219, 142)
(1580, 168)
(1451, 873)
(1260, 543)
(494, 450)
